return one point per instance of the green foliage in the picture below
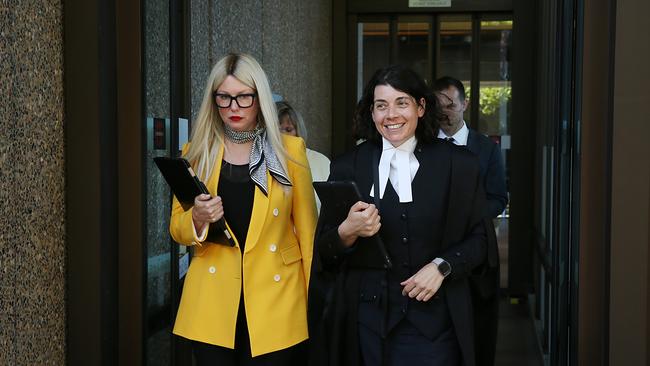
(491, 98)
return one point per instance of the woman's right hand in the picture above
(206, 210)
(363, 220)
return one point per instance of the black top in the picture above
(237, 193)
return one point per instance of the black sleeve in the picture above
(329, 250)
(467, 254)
(471, 251)
(495, 183)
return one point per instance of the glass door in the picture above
(157, 327)
(493, 110)
(383, 40)
(454, 59)
(414, 44)
(373, 50)
(166, 129)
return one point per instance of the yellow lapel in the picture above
(213, 183)
(259, 214)
(260, 203)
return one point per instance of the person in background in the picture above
(485, 286)
(291, 123)
(246, 304)
(451, 94)
(424, 199)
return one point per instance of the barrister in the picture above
(430, 199)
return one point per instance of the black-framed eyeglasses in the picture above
(225, 100)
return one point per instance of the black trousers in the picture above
(208, 354)
(486, 317)
(406, 346)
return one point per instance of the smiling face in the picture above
(395, 114)
(235, 117)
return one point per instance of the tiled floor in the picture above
(516, 341)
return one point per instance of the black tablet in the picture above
(336, 199)
(186, 186)
(181, 179)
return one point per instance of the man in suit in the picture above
(485, 288)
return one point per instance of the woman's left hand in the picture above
(424, 284)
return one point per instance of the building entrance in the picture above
(475, 44)
(165, 127)
(474, 48)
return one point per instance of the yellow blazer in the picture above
(276, 265)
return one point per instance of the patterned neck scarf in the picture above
(262, 157)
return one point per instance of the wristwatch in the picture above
(443, 266)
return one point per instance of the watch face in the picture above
(444, 268)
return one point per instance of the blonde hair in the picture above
(208, 130)
(285, 109)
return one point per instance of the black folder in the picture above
(186, 186)
(336, 199)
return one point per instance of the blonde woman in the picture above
(246, 305)
(291, 123)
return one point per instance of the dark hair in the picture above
(445, 82)
(405, 80)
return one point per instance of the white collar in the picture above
(400, 165)
(407, 146)
(460, 137)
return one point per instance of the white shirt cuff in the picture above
(203, 236)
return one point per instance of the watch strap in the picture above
(446, 267)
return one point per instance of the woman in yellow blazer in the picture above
(246, 304)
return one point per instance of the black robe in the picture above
(334, 289)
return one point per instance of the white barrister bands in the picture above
(400, 165)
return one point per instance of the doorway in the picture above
(165, 126)
(475, 44)
(474, 48)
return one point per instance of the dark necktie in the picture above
(450, 139)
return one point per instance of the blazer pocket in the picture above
(291, 254)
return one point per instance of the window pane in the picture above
(495, 86)
(455, 53)
(413, 47)
(157, 335)
(494, 104)
(373, 45)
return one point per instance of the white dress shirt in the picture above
(320, 169)
(459, 138)
(319, 165)
(400, 165)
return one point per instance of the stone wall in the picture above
(291, 39)
(32, 183)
